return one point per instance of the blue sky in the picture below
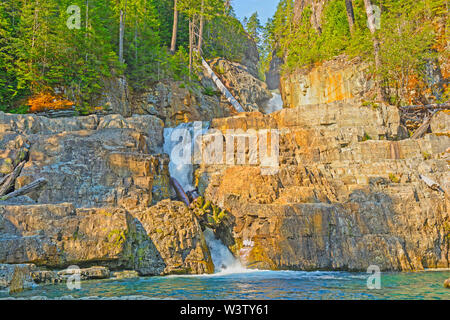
(245, 8)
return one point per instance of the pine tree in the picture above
(254, 27)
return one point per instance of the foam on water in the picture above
(223, 259)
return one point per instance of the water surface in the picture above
(293, 285)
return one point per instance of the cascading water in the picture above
(180, 144)
(274, 104)
(223, 259)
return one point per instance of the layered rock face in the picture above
(335, 80)
(348, 192)
(106, 178)
(174, 103)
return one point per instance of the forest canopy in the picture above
(71, 46)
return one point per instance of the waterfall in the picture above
(181, 143)
(274, 104)
(223, 259)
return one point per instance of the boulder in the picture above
(127, 274)
(177, 235)
(447, 284)
(440, 123)
(57, 236)
(16, 277)
(96, 272)
(45, 277)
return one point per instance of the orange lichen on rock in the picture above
(45, 101)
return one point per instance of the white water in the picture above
(274, 104)
(223, 259)
(179, 145)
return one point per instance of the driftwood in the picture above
(179, 191)
(59, 113)
(24, 190)
(415, 117)
(443, 106)
(420, 132)
(9, 180)
(430, 183)
(222, 87)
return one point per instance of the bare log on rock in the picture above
(420, 132)
(25, 190)
(430, 183)
(237, 106)
(8, 181)
(179, 191)
(443, 106)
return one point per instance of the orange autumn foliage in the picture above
(45, 101)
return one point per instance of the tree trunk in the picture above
(232, 100)
(87, 26)
(25, 190)
(200, 33)
(376, 46)
(175, 27)
(350, 14)
(121, 35)
(8, 182)
(191, 43)
(123, 80)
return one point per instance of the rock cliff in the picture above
(340, 79)
(102, 204)
(349, 192)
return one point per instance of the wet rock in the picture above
(91, 273)
(127, 274)
(16, 277)
(447, 284)
(45, 277)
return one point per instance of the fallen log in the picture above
(420, 132)
(9, 180)
(431, 183)
(179, 191)
(25, 190)
(443, 106)
(223, 89)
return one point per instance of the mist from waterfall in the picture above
(223, 259)
(274, 104)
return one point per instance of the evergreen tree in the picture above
(254, 27)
